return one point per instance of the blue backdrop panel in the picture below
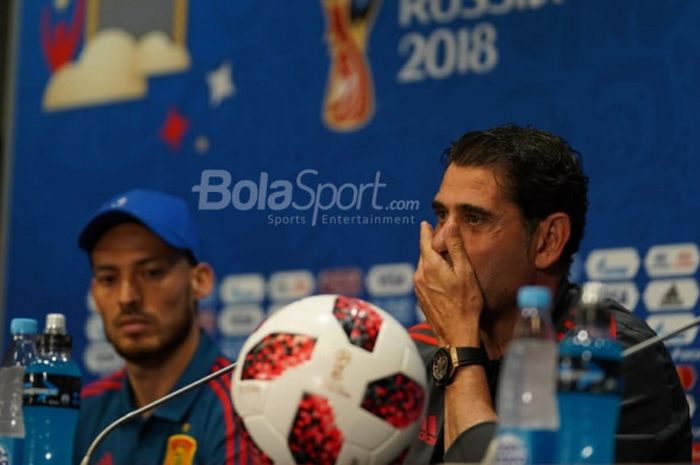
(307, 139)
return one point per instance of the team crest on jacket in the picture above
(180, 450)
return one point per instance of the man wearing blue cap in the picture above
(147, 278)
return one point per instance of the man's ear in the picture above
(202, 277)
(551, 237)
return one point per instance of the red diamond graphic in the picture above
(174, 128)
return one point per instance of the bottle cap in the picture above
(592, 292)
(55, 338)
(591, 313)
(534, 296)
(55, 323)
(23, 326)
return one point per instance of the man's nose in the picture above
(129, 291)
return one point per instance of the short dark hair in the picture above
(542, 174)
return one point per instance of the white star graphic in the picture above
(221, 85)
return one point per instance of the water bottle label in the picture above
(53, 390)
(511, 450)
(11, 422)
(6, 452)
(586, 373)
(524, 447)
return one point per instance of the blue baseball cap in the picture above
(165, 215)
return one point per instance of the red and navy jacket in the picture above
(654, 422)
(198, 428)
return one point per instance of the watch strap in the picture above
(465, 356)
(449, 359)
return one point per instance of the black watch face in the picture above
(441, 367)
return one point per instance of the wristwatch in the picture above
(448, 359)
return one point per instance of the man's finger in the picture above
(455, 247)
(426, 239)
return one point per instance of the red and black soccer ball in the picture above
(330, 380)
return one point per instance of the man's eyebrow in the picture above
(155, 259)
(107, 267)
(470, 209)
(437, 205)
(144, 261)
(465, 208)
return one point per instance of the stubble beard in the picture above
(155, 355)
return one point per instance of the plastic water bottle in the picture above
(526, 398)
(590, 384)
(20, 353)
(53, 399)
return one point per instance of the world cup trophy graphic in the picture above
(349, 99)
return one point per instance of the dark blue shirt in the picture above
(198, 428)
(654, 422)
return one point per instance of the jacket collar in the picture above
(199, 366)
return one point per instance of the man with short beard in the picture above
(147, 278)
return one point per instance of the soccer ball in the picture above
(330, 380)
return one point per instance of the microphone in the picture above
(135, 413)
(653, 340)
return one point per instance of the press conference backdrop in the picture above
(307, 136)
